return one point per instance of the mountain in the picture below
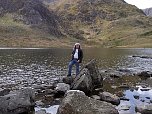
(108, 23)
(27, 23)
(31, 12)
(45, 23)
(148, 11)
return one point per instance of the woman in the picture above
(77, 56)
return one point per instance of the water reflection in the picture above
(107, 58)
(133, 91)
(26, 67)
(30, 65)
(136, 98)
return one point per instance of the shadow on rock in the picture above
(76, 102)
(88, 79)
(22, 101)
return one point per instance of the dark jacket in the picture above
(80, 55)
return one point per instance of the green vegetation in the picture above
(10, 28)
(149, 33)
(100, 24)
(107, 24)
(17, 34)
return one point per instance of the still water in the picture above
(26, 67)
(59, 58)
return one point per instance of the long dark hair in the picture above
(74, 48)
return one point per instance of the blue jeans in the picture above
(72, 62)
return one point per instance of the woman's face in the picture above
(77, 46)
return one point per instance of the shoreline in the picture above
(47, 90)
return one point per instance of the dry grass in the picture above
(126, 32)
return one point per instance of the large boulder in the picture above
(18, 102)
(88, 79)
(144, 109)
(83, 82)
(108, 97)
(94, 73)
(76, 102)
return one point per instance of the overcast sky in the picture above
(142, 4)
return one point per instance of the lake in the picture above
(27, 67)
(59, 58)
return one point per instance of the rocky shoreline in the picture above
(93, 97)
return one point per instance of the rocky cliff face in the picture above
(89, 10)
(102, 22)
(92, 15)
(33, 13)
(148, 11)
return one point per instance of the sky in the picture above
(141, 4)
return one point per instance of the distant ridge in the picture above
(148, 11)
(47, 23)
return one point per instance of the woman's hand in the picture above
(78, 61)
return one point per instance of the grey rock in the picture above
(97, 91)
(39, 103)
(125, 107)
(62, 88)
(145, 89)
(118, 73)
(94, 73)
(144, 74)
(144, 109)
(144, 57)
(88, 79)
(68, 80)
(83, 82)
(17, 102)
(149, 82)
(41, 112)
(147, 97)
(136, 96)
(96, 97)
(108, 97)
(76, 102)
(124, 98)
(124, 70)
